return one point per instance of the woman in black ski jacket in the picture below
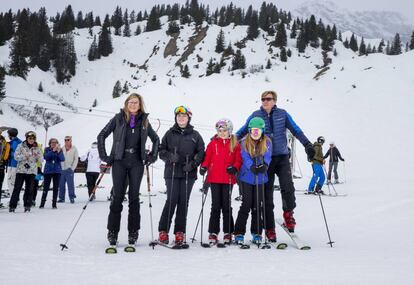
(182, 149)
(130, 128)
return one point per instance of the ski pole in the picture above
(344, 171)
(64, 245)
(200, 216)
(330, 185)
(186, 198)
(149, 202)
(326, 223)
(257, 202)
(264, 210)
(171, 193)
(230, 210)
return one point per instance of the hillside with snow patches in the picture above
(364, 104)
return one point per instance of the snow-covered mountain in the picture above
(369, 24)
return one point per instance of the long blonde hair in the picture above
(256, 148)
(141, 106)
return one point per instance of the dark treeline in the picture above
(33, 43)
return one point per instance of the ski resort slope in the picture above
(364, 104)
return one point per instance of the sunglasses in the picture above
(268, 99)
(67, 140)
(31, 138)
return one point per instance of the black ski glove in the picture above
(108, 160)
(189, 166)
(174, 157)
(256, 169)
(203, 170)
(310, 151)
(150, 159)
(231, 170)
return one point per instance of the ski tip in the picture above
(111, 250)
(129, 248)
(281, 246)
(305, 247)
(205, 245)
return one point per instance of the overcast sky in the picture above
(405, 7)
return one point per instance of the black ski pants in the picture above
(28, 180)
(176, 198)
(280, 166)
(91, 178)
(221, 202)
(48, 178)
(252, 201)
(121, 169)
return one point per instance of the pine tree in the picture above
(2, 83)
(94, 53)
(388, 48)
(396, 45)
(116, 92)
(362, 48)
(411, 46)
(239, 61)
(79, 21)
(44, 58)
(353, 44)
(340, 36)
(105, 41)
(283, 54)
(66, 23)
(18, 65)
(153, 23)
(220, 42)
(210, 67)
(281, 37)
(253, 29)
(185, 72)
(381, 46)
(95, 103)
(229, 50)
(40, 87)
(335, 53)
(311, 32)
(138, 30)
(293, 32)
(268, 64)
(346, 43)
(301, 42)
(125, 88)
(127, 30)
(65, 62)
(117, 21)
(173, 28)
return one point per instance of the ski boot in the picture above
(113, 239)
(239, 239)
(336, 181)
(290, 222)
(132, 240)
(72, 200)
(26, 209)
(163, 237)
(212, 239)
(34, 203)
(271, 235)
(256, 239)
(328, 182)
(42, 204)
(179, 242)
(227, 239)
(11, 210)
(318, 190)
(54, 205)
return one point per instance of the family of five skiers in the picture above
(255, 153)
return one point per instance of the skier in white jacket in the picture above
(93, 167)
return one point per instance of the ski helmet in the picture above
(321, 139)
(225, 124)
(183, 110)
(13, 132)
(30, 134)
(257, 123)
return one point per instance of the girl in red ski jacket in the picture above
(222, 161)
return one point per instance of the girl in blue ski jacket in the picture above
(256, 155)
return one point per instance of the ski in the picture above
(130, 248)
(210, 245)
(294, 237)
(244, 246)
(112, 249)
(174, 246)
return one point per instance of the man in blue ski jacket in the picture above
(277, 121)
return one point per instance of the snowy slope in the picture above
(370, 123)
(370, 24)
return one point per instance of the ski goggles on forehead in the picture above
(181, 109)
(31, 135)
(222, 125)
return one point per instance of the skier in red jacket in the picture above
(222, 161)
